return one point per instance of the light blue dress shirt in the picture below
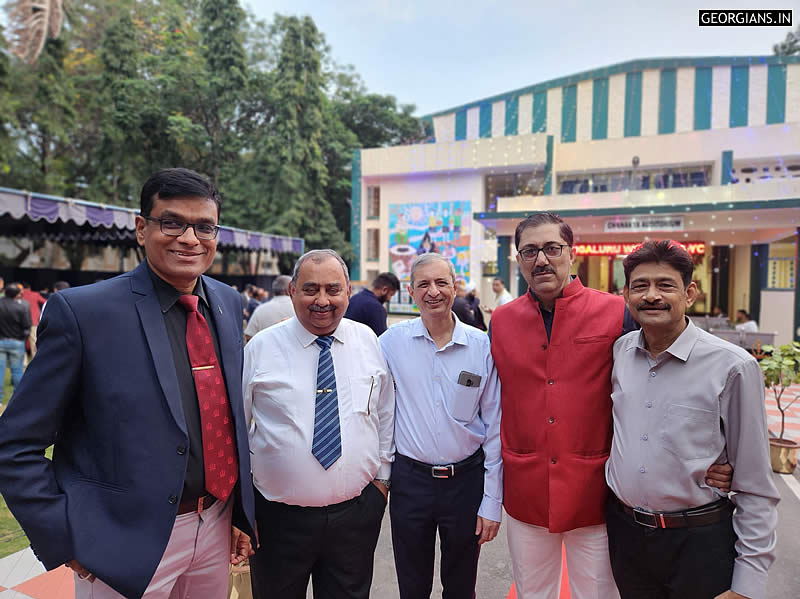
(439, 421)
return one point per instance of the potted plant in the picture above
(781, 368)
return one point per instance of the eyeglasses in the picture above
(552, 250)
(175, 228)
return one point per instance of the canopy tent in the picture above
(34, 215)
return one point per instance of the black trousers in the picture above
(419, 505)
(673, 563)
(334, 545)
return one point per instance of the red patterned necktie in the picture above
(219, 450)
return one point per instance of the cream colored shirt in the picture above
(700, 402)
(279, 388)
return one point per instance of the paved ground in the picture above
(22, 576)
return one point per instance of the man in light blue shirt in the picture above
(448, 472)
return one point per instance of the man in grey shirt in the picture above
(683, 400)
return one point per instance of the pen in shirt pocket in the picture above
(371, 385)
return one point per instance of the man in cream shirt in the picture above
(322, 406)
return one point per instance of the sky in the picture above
(438, 54)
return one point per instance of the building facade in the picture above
(702, 150)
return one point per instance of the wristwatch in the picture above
(386, 482)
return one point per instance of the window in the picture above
(528, 183)
(635, 179)
(373, 201)
(373, 243)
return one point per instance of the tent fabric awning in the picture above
(24, 213)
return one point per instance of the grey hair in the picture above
(429, 257)
(280, 286)
(318, 256)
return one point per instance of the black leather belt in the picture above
(445, 470)
(698, 516)
(196, 505)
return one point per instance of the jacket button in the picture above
(181, 450)
(550, 381)
(551, 420)
(553, 460)
(173, 499)
(544, 346)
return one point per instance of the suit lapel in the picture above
(155, 332)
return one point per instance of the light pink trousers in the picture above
(536, 562)
(195, 564)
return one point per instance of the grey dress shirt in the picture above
(700, 402)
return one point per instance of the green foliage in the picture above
(132, 86)
(781, 368)
(790, 46)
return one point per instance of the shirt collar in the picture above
(459, 332)
(167, 295)
(682, 347)
(306, 337)
(573, 287)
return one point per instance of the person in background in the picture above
(461, 306)
(368, 306)
(15, 326)
(36, 301)
(744, 323)
(501, 295)
(279, 308)
(669, 533)
(474, 301)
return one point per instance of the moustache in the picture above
(646, 306)
(316, 308)
(542, 270)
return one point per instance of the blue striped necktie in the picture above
(327, 444)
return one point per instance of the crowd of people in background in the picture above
(20, 311)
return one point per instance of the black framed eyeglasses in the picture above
(552, 250)
(176, 228)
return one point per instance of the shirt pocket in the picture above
(461, 401)
(363, 393)
(689, 432)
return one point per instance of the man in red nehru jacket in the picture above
(553, 352)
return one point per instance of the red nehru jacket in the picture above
(556, 396)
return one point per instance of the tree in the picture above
(226, 67)
(44, 120)
(790, 46)
(293, 200)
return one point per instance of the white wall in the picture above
(525, 114)
(684, 100)
(616, 106)
(777, 314)
(651, 83)
(757, 96)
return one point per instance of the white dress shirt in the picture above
(440, 421)
(751, 326)
(700, 402)
(278, 309)
(279, 387)
(503, 298)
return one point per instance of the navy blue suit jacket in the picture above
(103, 389)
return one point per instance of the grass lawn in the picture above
(12, 538)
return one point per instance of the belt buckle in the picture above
(200, 502)
(443, 471)
(656, 519)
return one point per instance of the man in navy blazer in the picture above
(124, 501)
